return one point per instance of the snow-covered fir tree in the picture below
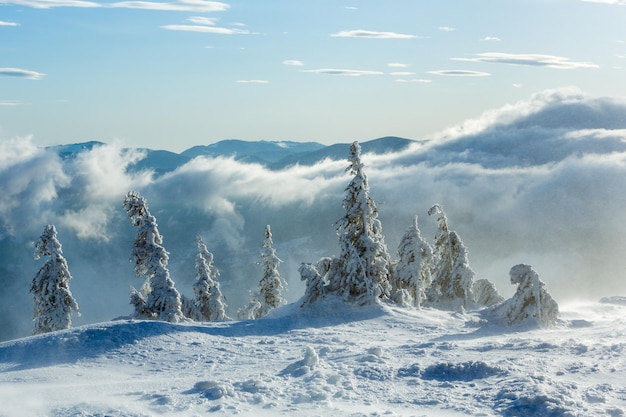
(269, 293)
(158, 298)
(413, 269)
(530, 303)
(52, 297)
(485, 293)
(208, 296)
(453, 278)
(315, 278)
(362, 272)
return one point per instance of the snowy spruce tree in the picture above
(531, 303)
(362, 272)
(209, 300)
(453, 278)
(413, 269)
(269, 293)
(158, 298)
(315, 277)
(52, 297)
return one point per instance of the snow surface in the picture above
(327, 359)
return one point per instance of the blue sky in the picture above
(172, 75)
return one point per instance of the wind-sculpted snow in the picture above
(327, 359)
(538, 182)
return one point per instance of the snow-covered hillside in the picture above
(329, 359)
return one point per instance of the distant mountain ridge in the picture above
(272, 154)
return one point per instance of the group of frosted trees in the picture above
(423, 275)
(437, 276)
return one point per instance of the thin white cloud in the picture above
(535, 60)
(345, 72)
(613, 2)
(293, 62)
(446, 29)
(9, 103)
(402, 73)
(253, 81)
(351, 8)
(20, 73)
(414, 80)
(202, 20)
(3, 23)
(48, 4)
(397, 65)
(360, 33)
(201, 6)
(206, 25)
(491, 39)
(459, 73)
(206, 29)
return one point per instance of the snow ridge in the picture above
(328, 359)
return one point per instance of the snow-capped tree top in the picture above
(48, 245)
(521, 273)
(442, 220)
(204, 260)
(137, 208)
(356, 166)
(269, 253)
(148, 253)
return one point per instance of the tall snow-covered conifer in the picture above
(52, 297)
(271, 285)
(452, 276)
(158, 298)
(413, 270)
(208, 296)
(362, 273)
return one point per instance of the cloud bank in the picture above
(539, 182)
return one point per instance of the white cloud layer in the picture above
(360, 33)
(3, 23)
(537, 60)
(20, 73)
(539, 182)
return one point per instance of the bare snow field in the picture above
(329, 359)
